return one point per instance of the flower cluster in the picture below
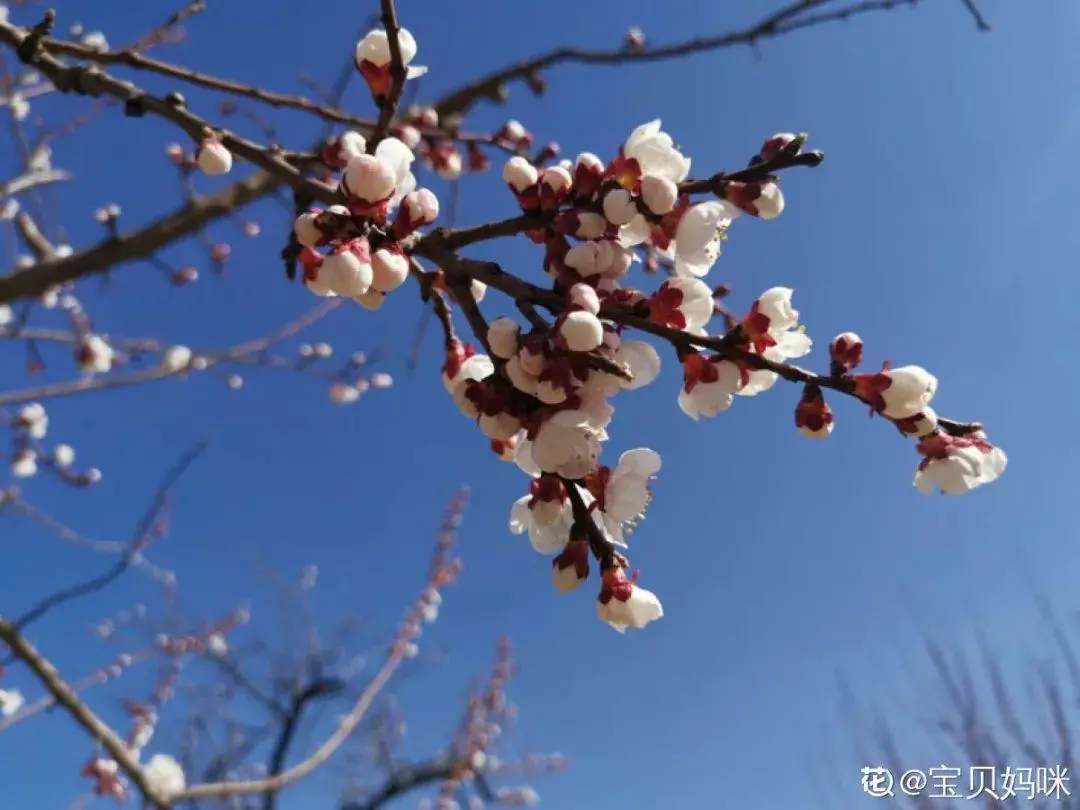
(542, 396)
(363, 257)
(30, 426)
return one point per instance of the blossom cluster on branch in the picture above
(542, 393)
(625, 241)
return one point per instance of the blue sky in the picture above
(939, 228)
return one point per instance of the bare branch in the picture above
(184, 221)
(793, 17)
(70, 701)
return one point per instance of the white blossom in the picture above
(698, 236)
(95, 355)
(11, 700)
(176, 358)
(910, 390)
(956, 466)
(34, 419)
(63, 455)
(164, 775)
(656, 154)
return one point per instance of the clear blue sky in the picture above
(939, 228)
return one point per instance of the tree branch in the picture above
(187, 219)
(138, 542)
(388, 106)
(790, 18)
(69, 699)
(405, 779)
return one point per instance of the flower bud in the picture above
(422, 206)
(571, 567)
(520, 174)
(389, 270)
(846, 351)
(368, 179)
(582, 224)
(584, 297)
(772, 147)
(503, 337)
(619, 206)
(588, 174)
(658, 193)
(581, 331)
(813, 417)
(555, 184)
(212, 157)
(307, 230)
(348, 269)
(176, 358)
(919, 425)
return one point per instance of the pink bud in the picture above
(582, 224)
(777, 142)
(503, 337)
(846, 351)
(410, 136)
(389, 269)
(555, 185)
(520, 174)
(423, 206)
(571, 567)
(348, 269)
(369, 179)
(213, 158)
(588, 174)
(513, 131)
(307, 231)
(584, 297)
(813, 417)
(447, 162)
(763, 200)
(581, 331)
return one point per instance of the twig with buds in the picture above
(793, 17)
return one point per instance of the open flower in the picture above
(897, 393)
(955, 465)
(682, 303)
(654, 152)
(698, 235)
(622, 604)
(710, 385)
(622, 494)
(95, 355)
